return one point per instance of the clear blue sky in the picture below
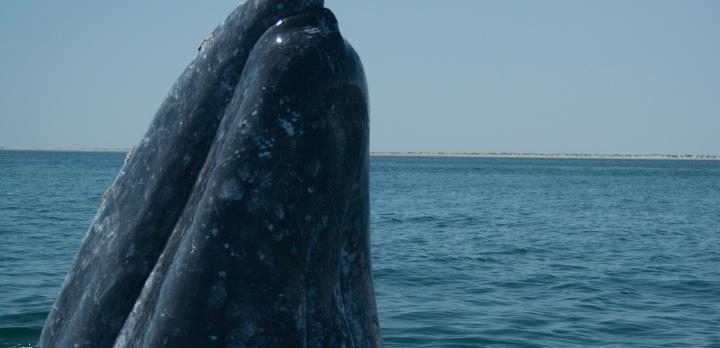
(604, 76)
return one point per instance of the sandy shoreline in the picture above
(448, 154)
(60, 149)
(550, 155)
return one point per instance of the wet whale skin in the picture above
(241, 220)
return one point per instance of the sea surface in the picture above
(467, 252)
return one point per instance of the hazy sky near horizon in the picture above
(603, 76)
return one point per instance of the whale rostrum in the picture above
(241, 218)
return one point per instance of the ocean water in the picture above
(467, 252)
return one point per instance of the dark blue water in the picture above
(468, 252)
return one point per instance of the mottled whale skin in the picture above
(241, 220)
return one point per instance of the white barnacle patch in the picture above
(287, 126)
(312, 30)
(266, 180)
(248, 330)
(215, 232)
(267, 144)
(213, 338)
(225, 85)
(324, 26)
(103, 225)
(265, 154)
(222, 273)
(206, 41)
(245, 175)
(280, 212)
(310, 189)
(280, 235)
(131, 251)
(186, 160)
(254, 203)
(232, 190)
(270, 227)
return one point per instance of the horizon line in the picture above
(490, 154)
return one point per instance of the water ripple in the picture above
(466, 252)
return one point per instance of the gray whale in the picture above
(241, 219)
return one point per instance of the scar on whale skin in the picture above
(241, 218)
